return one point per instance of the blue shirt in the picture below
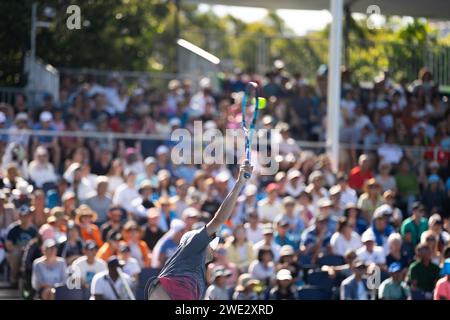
(189, 259)
(309, 237)
(287, 240)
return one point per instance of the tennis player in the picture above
(183, 275)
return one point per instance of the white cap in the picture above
(162, 150)
(177, 225)
(175, 122)
(250, 190)
(45, 116)
(205, 83)
(284, 274)
(367, 236)
(223, 176)
(381, 211)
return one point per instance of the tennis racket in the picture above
(251, 88)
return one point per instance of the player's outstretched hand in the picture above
(245, 171)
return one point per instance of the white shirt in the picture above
(376, 256)
(41, 174)
(101, 286)
(131, 267)
(258, 271)
(390, 153)
(274, 246)
(87, 271)
(348, 195)
(253, 235)
(340, 245)
(124, 197)
(267, 211)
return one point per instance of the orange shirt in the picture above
(105, 252)
(94, 234)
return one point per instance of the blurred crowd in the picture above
(102, 215)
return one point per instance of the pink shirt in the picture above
(442, 289)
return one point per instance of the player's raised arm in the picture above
(226, 208)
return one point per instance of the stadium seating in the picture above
(331, 260)
(64, 293)
(312, 293)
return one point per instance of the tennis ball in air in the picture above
(262, 102)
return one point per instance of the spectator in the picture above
(355, 218)
(40, 170)
(115, 176)
(344, 238)
(180, 199)
(348, 195)
(430, 240)
(54, 195)
(139, 249)
(361, 173)
(380, 226)
(100, 202)
(245, 289)
(126, 192)
(434, 196)
(49, 271)
(220, 259)
(131, 266)
(384, 178)
(268, 240)
(370, 252)
(416, 224)
(263, 269)
(111, 246)
(239, 249)
(72, 247)
(55, 228)
(370, 199)
(316, 239)
(394, 288)
(152, 231)
(270, 206)
(335, 197)
(397, 253)
(290, 214)
(436, 226)
(282, 237)
(253, 228)
(283, 289)
(142, 203)
(442, 290)
(112, 284)
(88, 265)
(354, 287)
(218, 289)
(407, 183)
(85, 219)
(166, 213)
(19, 234)
(315, 187)
(114, 223)
(423, 274)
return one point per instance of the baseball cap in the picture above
(286, 250)
(324, 202)
(381, 211)
(271, 187)
(335, 190)
(267, 229)
(367, 236)
(288, 200)
(177, 225)
(49, 243)
(293, 174)
(220, 271)
(284, 274)
(191, 212)
(123, 247)
(281, 221)
(90, 245)
(149, 161)
(250, 190)
(394, 267)
(45, 116)
(114, 261)
(162, 150)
